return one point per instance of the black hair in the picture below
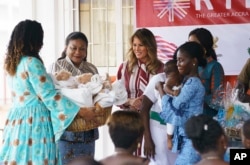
(175, 54)
(171, 66)
(125, 127)
(204, 132)
(194, 50)
(74, 36)
(26, 40)
(206, 40)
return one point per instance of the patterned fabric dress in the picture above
(212, 77)
(72, 144)
(177, 110)
(38, 116)
(135, 82)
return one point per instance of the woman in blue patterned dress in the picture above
(178, 109)
(212, 76)
(39, 114)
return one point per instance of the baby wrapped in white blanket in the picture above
(88, 89)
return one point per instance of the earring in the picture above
(193, 64)
(139, 145)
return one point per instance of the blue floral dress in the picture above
(177, 110)
(38, 117)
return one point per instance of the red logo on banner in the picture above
(157, 13)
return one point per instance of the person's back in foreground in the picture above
(84, 160)
(126, 131)
(208, 138)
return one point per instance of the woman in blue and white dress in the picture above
(178, 109)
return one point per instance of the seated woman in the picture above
(208, 138)
(126, 131)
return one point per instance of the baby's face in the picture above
(171, 68)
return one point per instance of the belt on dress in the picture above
(156, 116)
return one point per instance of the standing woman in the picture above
(188, 103)
(39, 113)
(141, 65)
(138, 69)
(212, 76)
(74, 60)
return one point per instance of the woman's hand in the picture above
(135, 103)
(149, 147)
(242, 93)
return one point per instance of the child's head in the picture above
(206, 134)
(245, 134)
(125, 128)
(171, 67)
(174, 79)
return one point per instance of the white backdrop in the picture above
(233, 42)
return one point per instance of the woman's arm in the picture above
(149, 146)
(159, 86)
(190, 88)
(62, 110)
(217, 80)
(242, 92)
(243, 82)
(148, 100)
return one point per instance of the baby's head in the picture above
(245, 134)
(62, 75)
(171, 67)
(84, 78)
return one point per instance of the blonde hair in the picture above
(148, 40)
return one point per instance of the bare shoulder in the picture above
(125, 160)
(217, 162)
